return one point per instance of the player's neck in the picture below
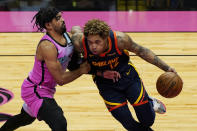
(58, 37)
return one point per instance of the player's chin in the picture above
(63, 27)
(94, 52)
(63, 30)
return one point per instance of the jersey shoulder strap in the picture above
(114, 40)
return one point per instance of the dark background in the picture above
(100, 5)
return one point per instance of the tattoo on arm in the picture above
(129, 44)
(158, 62)
(119, 38)
(150, 57)
(125, 42)
(77, 41)
(120, 42)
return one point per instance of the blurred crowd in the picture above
(99, 5)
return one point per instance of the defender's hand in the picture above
(85, 67)
(114, 75)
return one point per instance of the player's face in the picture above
(59, 24)
(97, 44)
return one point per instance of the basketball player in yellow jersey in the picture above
(116, 77)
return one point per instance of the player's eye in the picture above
(57, 17)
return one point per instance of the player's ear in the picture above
(48, 25)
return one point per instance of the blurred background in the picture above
(100, 5)
(122, 15)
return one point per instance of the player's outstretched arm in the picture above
(125, 42)
(49, 55)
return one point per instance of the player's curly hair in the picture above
(96, 27)
(43, 16)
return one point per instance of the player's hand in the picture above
(85, 67)
(114, 75)
(76, 29)
(171, 70)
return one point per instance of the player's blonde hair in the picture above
(96, 27)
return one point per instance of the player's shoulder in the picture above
(45, 42)
(46, 49)
(120, 34)
(46, 45)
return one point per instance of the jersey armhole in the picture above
(84, 47)
(116, 43)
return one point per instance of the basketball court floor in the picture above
(80, 101)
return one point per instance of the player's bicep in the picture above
(125, 42)
(49, 54)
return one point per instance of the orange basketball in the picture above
(169, 84)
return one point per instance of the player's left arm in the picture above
(125, 42)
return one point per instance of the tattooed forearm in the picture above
(158, 62)
(143, 52)
(77, 41)
(125, 42)
(150, 57)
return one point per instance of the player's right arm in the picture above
(48, 52)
